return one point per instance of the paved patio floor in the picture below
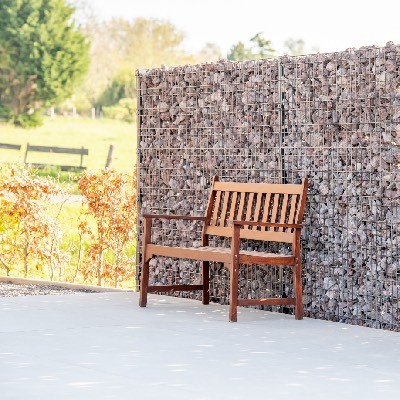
(103, 346)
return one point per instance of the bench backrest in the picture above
(256, 202)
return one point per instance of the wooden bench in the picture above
(258, 211)
(58, 150)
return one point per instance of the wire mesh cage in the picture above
(334, 118)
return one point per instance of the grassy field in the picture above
(96, 135)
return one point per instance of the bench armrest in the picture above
(148, 222)
(167, 216)
(266, 224)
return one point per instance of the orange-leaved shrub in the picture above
(108, 223)
(29, 235)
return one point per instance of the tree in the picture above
(209, 53)
(148, 43)
(104, 62)
(46, 54)
(239, 52)
(297, 47)
(122, 86)
(294, 47)
(260, 48)
(119, 47)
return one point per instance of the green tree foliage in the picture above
(297, 47)
(210, 53)
(125, 110)
(120, 47)
(259, 48)
(239, 52)
(44, 54)
(146, 43)
(122, 86)
(294, 47)
(104, 62)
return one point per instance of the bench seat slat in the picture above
(284, 237)
(219, 254)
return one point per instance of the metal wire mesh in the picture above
(334, 118)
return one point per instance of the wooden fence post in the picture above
(110, 156)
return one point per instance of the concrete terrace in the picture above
(103, 346)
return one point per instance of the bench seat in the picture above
(219, 254)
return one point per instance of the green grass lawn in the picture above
(96, 135)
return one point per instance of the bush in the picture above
(5, 113)
(125, 110)
(44, 235)
(110, 197)
(29, 236)
(28, 120)
(123, 86)
(67, 179)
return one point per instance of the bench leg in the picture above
(298, 291)
(233, 292)
(144, 284)
(206, 282)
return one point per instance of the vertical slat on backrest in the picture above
(302, 202)
(224, 208)
(239, 216)
(275, 208)
(233, 206)
(284, 207)
(249, 208)
(258, 207)
(211, 201)
(267, 202)
(254, 202)
(214, 218)
(208, 212)
(293, 210)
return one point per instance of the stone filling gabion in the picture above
(334, 118)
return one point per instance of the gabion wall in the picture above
(334, 118)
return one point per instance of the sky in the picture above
(325, 26)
